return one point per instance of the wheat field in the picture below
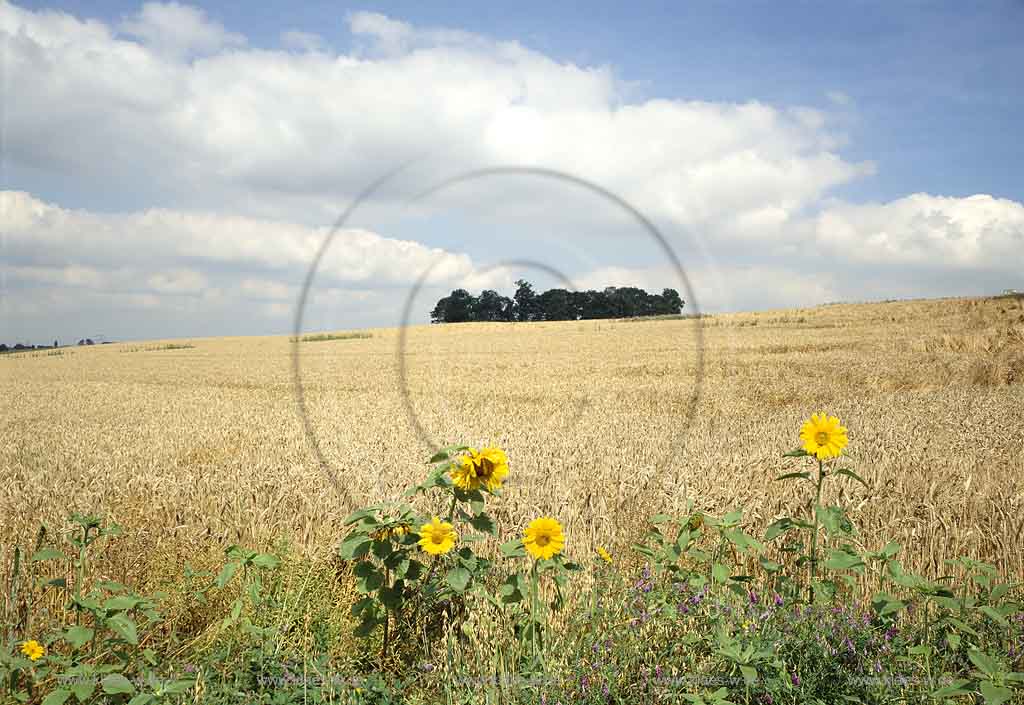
(194, 448)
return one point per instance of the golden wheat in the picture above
(192, 449)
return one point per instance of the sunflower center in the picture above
(821, 438)
(543, 540)
(437, 537)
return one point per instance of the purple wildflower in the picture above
(778, 600)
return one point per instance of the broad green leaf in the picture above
(83, 690)
(57, 697)
(121, 603)
(778, 528)
(994, 615)
(46, 554)
(116, 683)
(226, 573)
(266, 560)
(841, 560)
(513, 549)
(391, 596)
(957, 687)
(458, 577)
(797, 453)
(77, 636)
(484, 523)
(720, 572)
(995, 694)
(124, 627)
(355, 546)
(985, 663)
(769, 566)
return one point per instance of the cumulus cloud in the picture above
(976, 232)
(178, 31)
(311, 127)
(218, 164)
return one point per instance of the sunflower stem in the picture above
(814, 531)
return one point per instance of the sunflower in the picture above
(823, 437)
(487, 468)
(544, 538)
(33, 649)
(605, 556)
(437, 537)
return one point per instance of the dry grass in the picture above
(200, 448)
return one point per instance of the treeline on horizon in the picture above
(554, 305)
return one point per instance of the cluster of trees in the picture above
(554, 304)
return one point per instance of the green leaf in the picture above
(513, 549)
(484, 523)
(797, 453)
(266, 560)
(77, 636)
(361, 605)
(985, 663)
(792, 475)
(83, 690)
(458, 577)
(847, 472)
(116, 683)
(720, 572)
(841, 560)
(124, 627)
(57, 697)
(391, 596)
(660, 518)
(958, 687)
(749, 674)
(370, 578)
(995, 694)
(226, 573)
(769, 566)
(834, 520)
(121, 603)
(355, 546)
(178, 687)
(46, 554)
(994, 615)
(778, 528)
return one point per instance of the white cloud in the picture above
(178, 31)
(289, 134)
(978, 231)
(303, 41)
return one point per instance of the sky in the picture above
(172, 170)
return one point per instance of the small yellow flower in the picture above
(544, 538)
(487, 468)
(823, 437)
(438, 537)
(605, 556)
(33, 649)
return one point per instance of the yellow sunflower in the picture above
(464, 473)
(33, 649)
(823, 437)
(605, 556)
(437, 537)
(544, 538)
(493, 468)
(487, 468)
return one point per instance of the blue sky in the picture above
(752, 132)
(935, 88)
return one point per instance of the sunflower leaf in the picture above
(797, 453)
(791, 475)
(458, 578)
(513, 549)
(847, 472)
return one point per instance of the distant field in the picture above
(202, 446)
